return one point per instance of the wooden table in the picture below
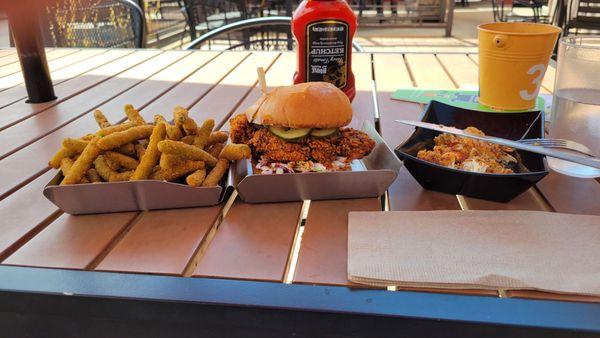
(228, 268)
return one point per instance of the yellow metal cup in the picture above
(513, 57)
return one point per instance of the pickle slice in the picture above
(289, 133)
(323, 132)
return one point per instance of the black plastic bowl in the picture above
(493, 187)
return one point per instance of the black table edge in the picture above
(51, 294)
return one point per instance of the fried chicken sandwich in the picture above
(301, 128)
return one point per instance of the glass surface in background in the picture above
(576, 105)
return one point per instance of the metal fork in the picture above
(558, 143)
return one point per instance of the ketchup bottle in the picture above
(324, 30)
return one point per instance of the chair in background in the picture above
(508, 10)
(583, 17)
(536, 7)
(165, 22)
(436, 14)
(272, 7)
(266, 33)
(94, 23)
(206, 15)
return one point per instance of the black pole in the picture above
(561, 14)
(24, 24)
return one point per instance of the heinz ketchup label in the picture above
(324, 30)
(327, 52)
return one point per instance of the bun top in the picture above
(305, 105)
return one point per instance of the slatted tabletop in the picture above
(298, 242)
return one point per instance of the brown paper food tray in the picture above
(93, 198)
(370, 177)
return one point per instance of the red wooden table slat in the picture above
(161, 241)
(16, 78)
(95, 58)
(362, 105)
(22, 110)
(528, 200)
(15, 67)
(571, 194)
(221, 101)
(23, 211)
(39, 125)
(253, 242)
(262, 234)
(427, 72)
(197, 85)
(156, 88)
(81, 55)
(9, 56)
(323, 254)
(460, 68)
(8, 59)
(71, 242)
(53, 66)
(405, 193)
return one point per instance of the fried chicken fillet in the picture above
(348, 142)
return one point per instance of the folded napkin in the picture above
(476, 249)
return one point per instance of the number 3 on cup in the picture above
(537, 81)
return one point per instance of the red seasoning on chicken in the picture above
(300, 128)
